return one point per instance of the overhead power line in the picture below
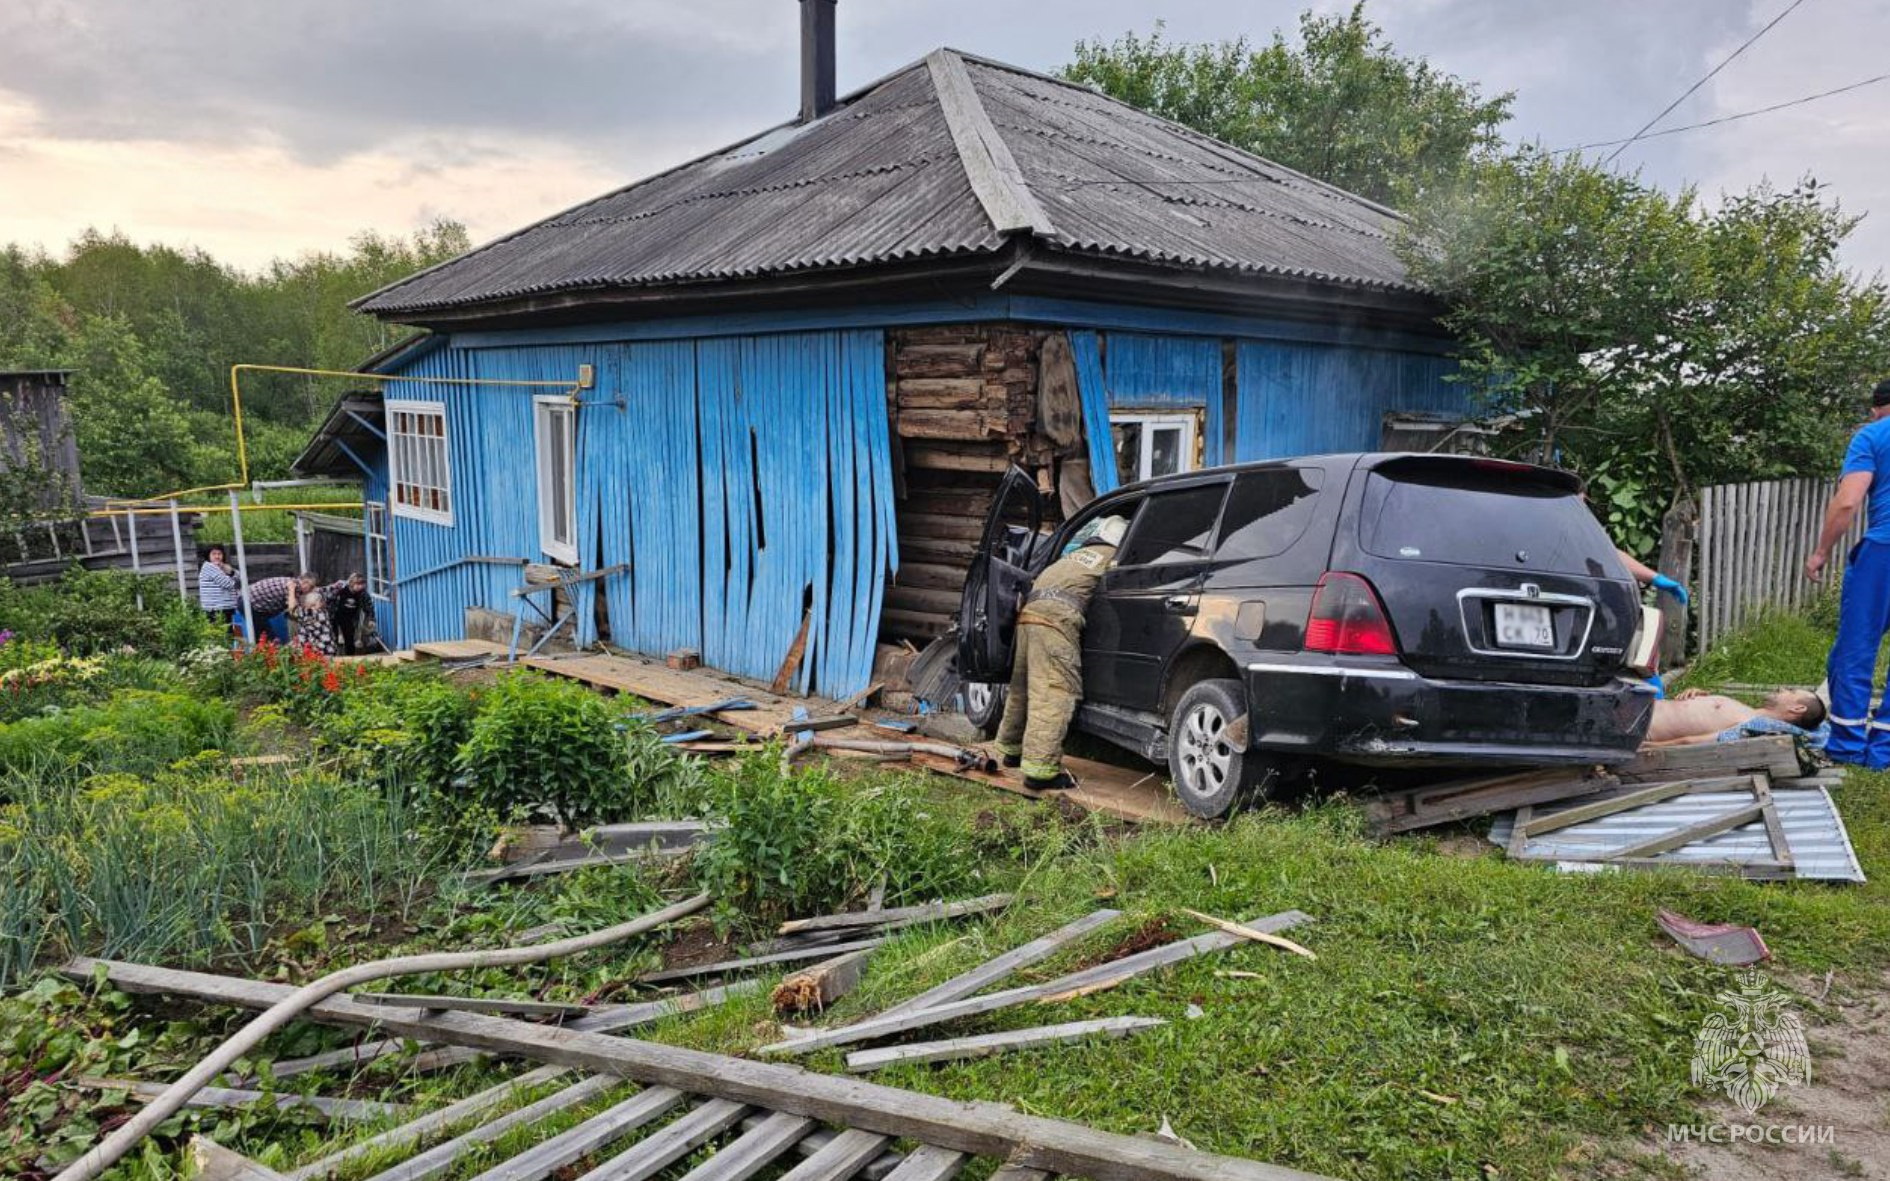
(1796, 102)
(1668, 110)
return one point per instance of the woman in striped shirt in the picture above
(216, 586)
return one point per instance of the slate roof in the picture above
(950, 156)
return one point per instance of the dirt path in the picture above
(1849, 1091)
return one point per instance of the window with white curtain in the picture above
(418, 464)
(556, 420)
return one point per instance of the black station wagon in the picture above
(1369, 609)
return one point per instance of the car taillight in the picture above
(1348, 619)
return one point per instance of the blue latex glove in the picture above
(1660, 686)
(1663, 583)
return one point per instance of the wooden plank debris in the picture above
(337, 1109)
(929, 1162)
(759, 1146)
(1464, 799)
(840, 1157)
(791, 663)
(983, 1045)
(549, 842)
(1666, 842)
(1608, 803)
(409, 1134)
(575, 1143)
(1102, 975)
(813, 989)
(983, 1129)
(460, 649)
(1249, 933)
(1121, 792)
(442, 1157)
(1773, 754)
(476, 1004)
(648, 1157)
(213, 1162)
(992, 971)
(929, 912)
(725, 967)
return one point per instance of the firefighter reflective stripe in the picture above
(1863, 617)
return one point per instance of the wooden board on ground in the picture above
(1122, 792)
(651, 681)
(460, 649)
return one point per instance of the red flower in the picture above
(360, 672)
(331, 682)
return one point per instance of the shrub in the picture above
(800, 842)
(90, 611)
(402, 728)
(135, 730)
(552, 748)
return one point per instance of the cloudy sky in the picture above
(263, 129)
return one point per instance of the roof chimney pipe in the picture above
(816, 59)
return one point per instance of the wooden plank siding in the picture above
(741, 480)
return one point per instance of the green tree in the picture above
(1342, 105)
(1652, 343)
(134, 437)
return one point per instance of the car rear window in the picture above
(1490, 517)
(1268, 511)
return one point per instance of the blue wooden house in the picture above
(790, 373)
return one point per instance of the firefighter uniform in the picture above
(1047, 672)
(1864, 612)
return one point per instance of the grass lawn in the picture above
(1466, 1016)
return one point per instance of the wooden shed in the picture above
(798, 366)
(36, 435)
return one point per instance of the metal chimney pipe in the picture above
(817, 73)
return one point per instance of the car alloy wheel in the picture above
(1205, 759)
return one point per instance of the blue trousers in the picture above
(1863, 617)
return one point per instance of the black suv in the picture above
(1374, 609)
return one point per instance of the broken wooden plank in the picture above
(536, 868)
(929, 1162)
(929, 912)
(1667, 842)
(1612, 802)
(1249, 933)
(992, 971)
(476, 1004)
(1773, 754)
(984, 1129)
(1127, 794)
(648, 1157)
(606, 1019)
(410, 1134)
(1466, 799)
(1109, 974)
(442, 1157)
(340, 1109)
(813, 725)
(760, 961)
(791, 663)
(759, 1146)
(813, 989)
(840, 1157)
(983, 1045)
(213, 1162)
(574, 1143)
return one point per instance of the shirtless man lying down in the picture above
(1694, 716)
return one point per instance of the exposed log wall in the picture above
(963, 402)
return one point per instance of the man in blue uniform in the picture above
(1864, 606)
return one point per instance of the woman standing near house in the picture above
(216, 586)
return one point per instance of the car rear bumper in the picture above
(1385, 713)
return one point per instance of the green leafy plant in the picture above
(135, 730)
(549, 748)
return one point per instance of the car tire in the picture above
(984, 705)
(1211, 778)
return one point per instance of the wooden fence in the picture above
(1750, 548)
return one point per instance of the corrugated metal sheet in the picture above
(740, 478)
(1814, 831)
(1302, 399)
(881, 180)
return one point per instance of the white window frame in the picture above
(544, 411)
(380, 550)
(1146, 421)
(419, 461)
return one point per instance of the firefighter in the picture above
(1047, 673)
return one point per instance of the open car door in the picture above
(1000, 574)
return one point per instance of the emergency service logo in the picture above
(1752, 1048)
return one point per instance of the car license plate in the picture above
(1524, 625)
